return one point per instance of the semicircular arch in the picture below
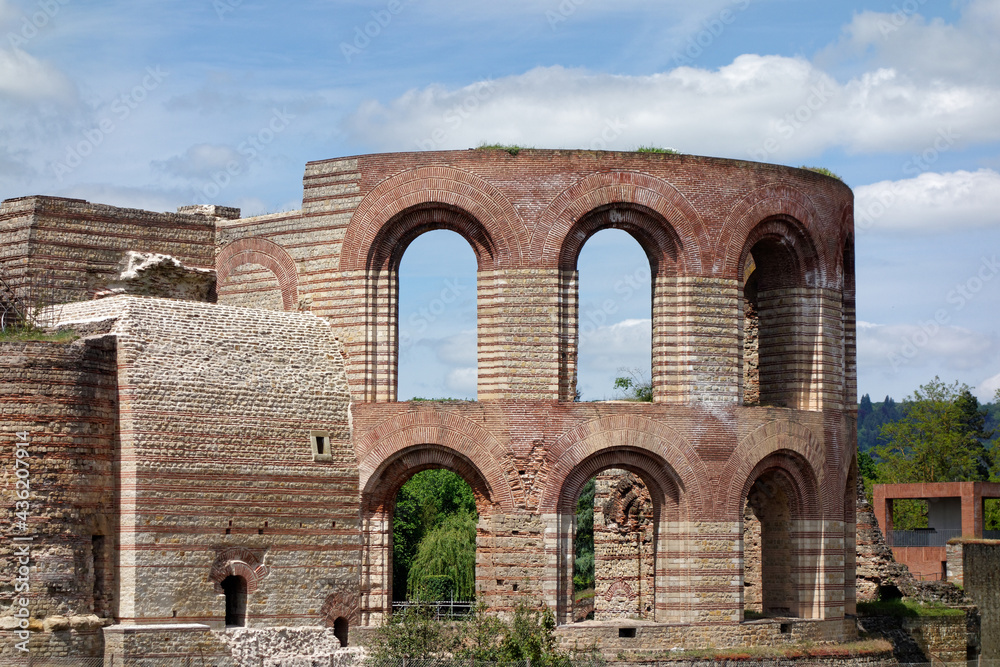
(436, 439)
(669, 221)
(489, 212)
(260, 251)
(669, 458)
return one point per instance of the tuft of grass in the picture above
(906, 609)
(656, 149)
(583, 595)
(513, 149)
(824, 171)
(26, 334)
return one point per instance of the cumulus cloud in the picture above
(987, 390)
(24, 78)
(462, 381)
(945, 349)
(930, 202)
(760, 107)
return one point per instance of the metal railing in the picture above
(923, 538)
(440, 610)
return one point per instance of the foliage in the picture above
(656, 149)
(822, 170)
(528, 634)
(634, 385)
(410, 633)
(872, 417)
(583, 541)
(448, 551)
(941, 436)
(423, 504)
(513, 149)
(31, 333)
(900, 608)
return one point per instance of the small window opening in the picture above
(340, 630)
(97, 550)
(515, 587)
(626, 633)
(320, 441)
(786, 628)
(235, 589)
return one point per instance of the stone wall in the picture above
(981, 565)
(59, 402)
(70, 249)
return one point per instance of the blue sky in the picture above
(144, 103)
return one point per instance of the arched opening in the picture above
(848, 310)
(778, 327)
(615, 318)
(379, 499)
(434, 539)
(235, 589)
(628, 291)
(437, 353)
(340, 627)
(635, 495)
(779, 576)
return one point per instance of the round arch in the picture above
(440, 187)
(265, 253)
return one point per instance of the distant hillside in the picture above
(872, 416)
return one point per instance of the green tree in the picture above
(449, 550)
(634, 385)
(935, 441)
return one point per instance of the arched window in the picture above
(614, 318)
(437, 319)
(235, 589)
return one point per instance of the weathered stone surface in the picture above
(153, 274)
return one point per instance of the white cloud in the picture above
(930, 202)
(945, 349)
(24, 78)
(765, 107)
(457, 350)
(987, 389)
(462, 381)
(200, 161)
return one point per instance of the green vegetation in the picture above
(938, 434)
(656, 149)
(513, 149)
(634, 385)
(439, 506)
(906, 608)
(583, 541)
(527, 635)
(29, 333)
(822, 170)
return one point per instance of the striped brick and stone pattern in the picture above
(218, 472)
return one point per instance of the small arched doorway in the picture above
(235, 589)
(340, 628)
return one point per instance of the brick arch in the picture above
(341, 605)
(429, 438)
(436, 186)
(794, 259)
(793, 442)
(670, 220)
(241, 562)
(772, 201)
(266, 253)
(799, 480)
(652, 444)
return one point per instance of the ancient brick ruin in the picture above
(190, 454)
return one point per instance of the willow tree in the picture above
(447, 551)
